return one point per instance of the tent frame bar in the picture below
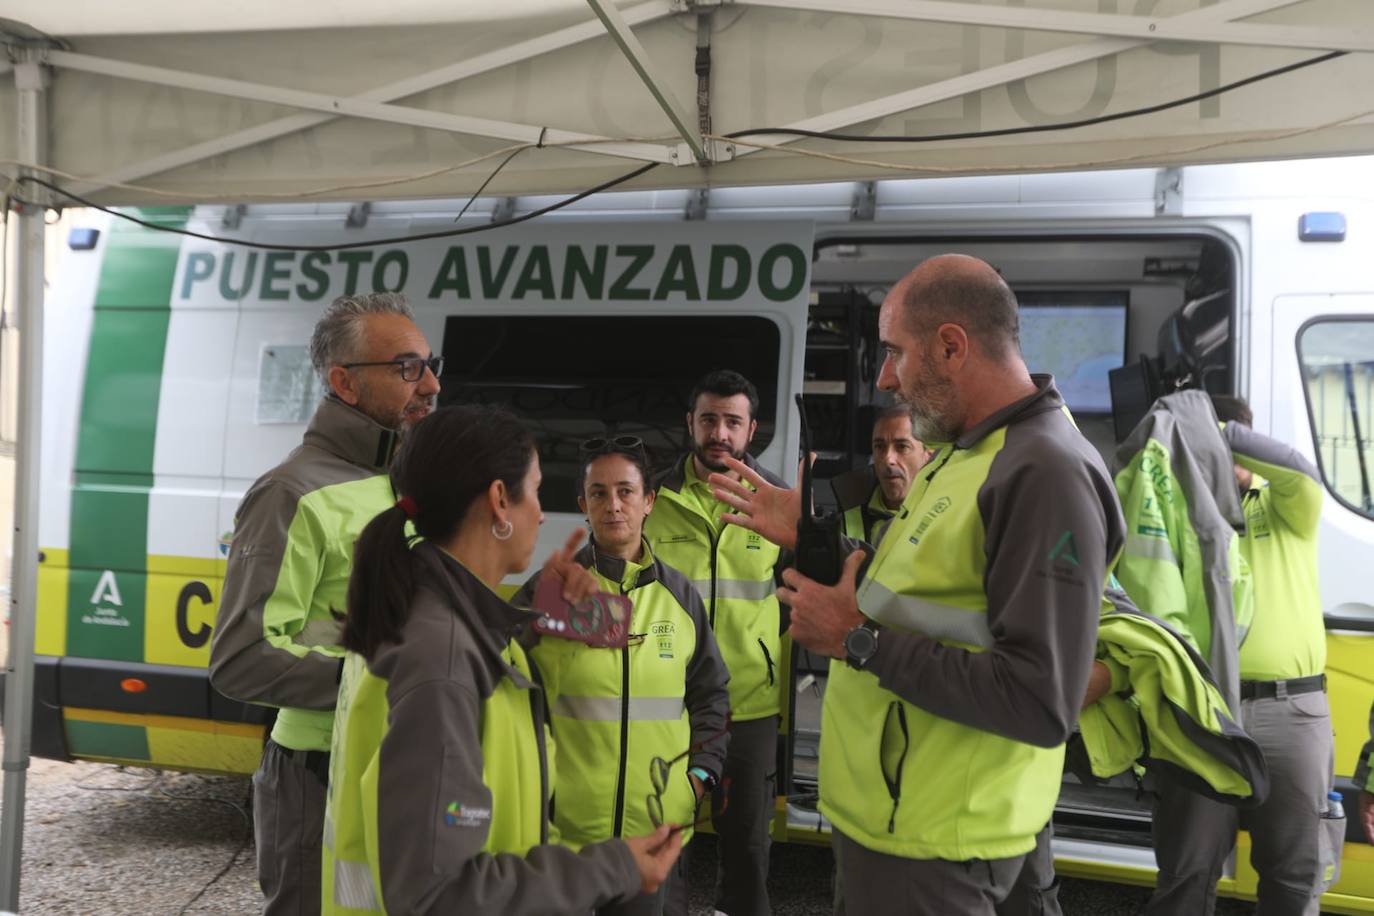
(1000, 74)
(1117, 25)
(634, 52)
(377, 111)
(31, 81)
(421, 82)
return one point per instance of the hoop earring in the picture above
(502, 530)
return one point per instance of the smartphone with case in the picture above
(602, 619)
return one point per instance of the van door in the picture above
(1322, 392)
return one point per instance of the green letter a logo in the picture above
(1064, 549)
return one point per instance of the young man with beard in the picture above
(732, 567)
(871, 496)
(276, 637)
(970, 634)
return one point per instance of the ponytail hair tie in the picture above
(407, 505)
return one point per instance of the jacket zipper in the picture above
(624, 735)
(767, 657)
(894, 785)
(710, 533)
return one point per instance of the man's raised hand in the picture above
(770, 511)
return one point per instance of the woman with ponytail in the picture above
(439, 776)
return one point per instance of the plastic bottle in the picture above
(1335, 806)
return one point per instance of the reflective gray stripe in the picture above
(939, 621)
(353, 886)
(319, 632)
(1150, 548)
(607, 709)
(748, 589)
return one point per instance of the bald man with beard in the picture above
(970, 633)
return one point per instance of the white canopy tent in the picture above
(156, 101)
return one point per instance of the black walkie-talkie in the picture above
(820, 550)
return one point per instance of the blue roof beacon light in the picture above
(1321, 227)
(79, 239)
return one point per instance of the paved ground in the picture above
(102, 840)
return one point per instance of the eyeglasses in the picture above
(412, 367)
(616, 443)
(659, 771)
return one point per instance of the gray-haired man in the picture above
(276, 637)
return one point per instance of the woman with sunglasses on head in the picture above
(641, 730)
(440, 775)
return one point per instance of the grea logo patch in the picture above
(663, 633)
(459, 815)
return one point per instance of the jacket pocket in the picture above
(768, 659)
(896, 742)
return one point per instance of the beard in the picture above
(933, 403)
(700, 451)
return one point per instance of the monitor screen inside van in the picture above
(1078, 337)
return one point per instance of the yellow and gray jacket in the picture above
(614, 710)
(1183, 562)
(732, 569)
(1364, 769)
(276, 638)
(1164, 712)
(440, 776)
(860, 499)
(949, 744)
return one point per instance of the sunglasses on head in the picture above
(611, 444)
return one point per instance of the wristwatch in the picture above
(861, 644)
(708, 779)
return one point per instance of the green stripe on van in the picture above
(107, 739)
(116, 437)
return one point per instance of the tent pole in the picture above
(31, 80)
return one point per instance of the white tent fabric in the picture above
(334, 100)
(156, 101)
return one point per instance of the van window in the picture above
(289, 390)
(1337, 358)
(572, 378)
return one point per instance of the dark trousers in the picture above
(1036, 891)
(669, 900)
(872, 883)
(288, 824)
(751, 764)
(1193, 835)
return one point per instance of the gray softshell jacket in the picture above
(448, 661)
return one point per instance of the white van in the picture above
(176, 372)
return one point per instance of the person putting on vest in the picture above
(1283, 703)
(626, 718)
(969, 635)
(871, 496)
(441, 772)
(276, 641)
(732, 569)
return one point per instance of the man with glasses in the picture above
(276, 636)
(732, 568)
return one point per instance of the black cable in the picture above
(496, 171)
(447, 233)
(238, 850)
(1038, 128)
